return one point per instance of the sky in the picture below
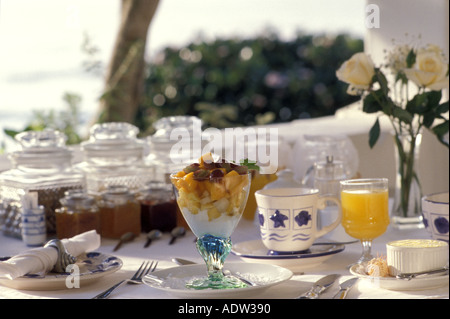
(40, 41)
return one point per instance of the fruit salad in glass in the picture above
(212, 196)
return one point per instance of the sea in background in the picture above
(40, 42)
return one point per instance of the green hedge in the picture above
(237, 82)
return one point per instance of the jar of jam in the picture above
(158, 207)
(78, 214)
(120, 212)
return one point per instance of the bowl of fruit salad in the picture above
(212, 195)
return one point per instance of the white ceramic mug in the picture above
(288, 218)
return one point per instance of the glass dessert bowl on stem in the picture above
(212, 197)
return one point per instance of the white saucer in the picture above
(173, 280)
(255, 251)
(92, 266)
(392, 283)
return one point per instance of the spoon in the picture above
(177, 232)
(153, 234)
(125, 238)
(226, 272)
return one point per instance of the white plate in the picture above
(173, 280)
(255, 251)
(392, 283)
(92, 266)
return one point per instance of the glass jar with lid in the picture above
(114, 155)
(43, 165)
(78, 214)
(120, 212)
(328, 174)
(176, 143)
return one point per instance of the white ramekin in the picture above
(416, 255)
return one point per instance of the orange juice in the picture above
(365, 213)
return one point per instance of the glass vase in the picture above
(406, 211)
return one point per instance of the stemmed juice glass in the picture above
(365, 211)
(212, 205)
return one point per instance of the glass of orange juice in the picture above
(365, 210)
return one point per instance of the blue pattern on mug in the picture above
(278, 219)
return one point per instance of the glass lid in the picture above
(113, 143)
(41, 149)
(166, 125)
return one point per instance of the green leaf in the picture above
(428, 119)
(418, 104)
(411, 58)
(441, 129)
(442, 108)
(11, 133)
(374, 133)
(382, 81)
(433, 98)
(371, 103)
(250, 165)
(402, 115)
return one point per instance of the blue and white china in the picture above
(435, 211)
(88, 268)
(33, 226)
(254, 251)
(288, 218)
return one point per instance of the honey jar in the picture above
(120, 212)
(78, 214)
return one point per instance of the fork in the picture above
(143, 270)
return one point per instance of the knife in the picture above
(319, 287)
(345, 287)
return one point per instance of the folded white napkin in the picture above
(42, 260)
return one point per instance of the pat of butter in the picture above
(415, 255)
(418, 243)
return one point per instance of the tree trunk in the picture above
(124, 81)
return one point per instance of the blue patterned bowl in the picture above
(435, 215)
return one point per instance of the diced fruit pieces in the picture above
(214, 187)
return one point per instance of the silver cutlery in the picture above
(226, 272)
(175, 233)
(409, 276)
(125, 238)
(153, 234)
(143, 270)
(319, 287)
(345, 287)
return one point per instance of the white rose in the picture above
(358, 71)
(430, 69)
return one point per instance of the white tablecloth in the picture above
(132, 255)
